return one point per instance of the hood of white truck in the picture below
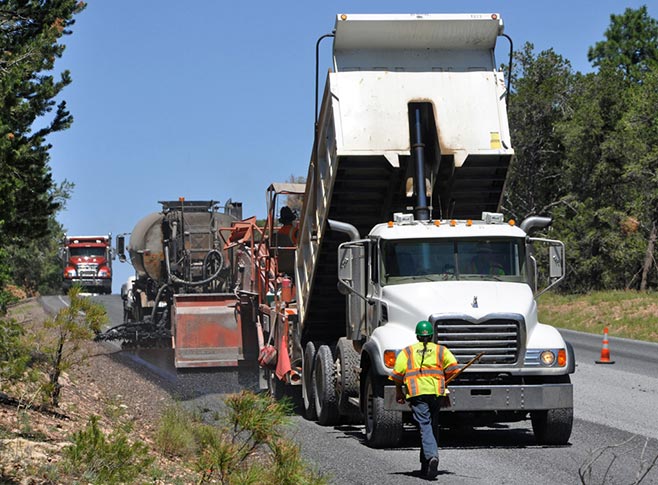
(474, 300)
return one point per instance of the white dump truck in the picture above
(400, 223)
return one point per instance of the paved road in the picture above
(616, 416)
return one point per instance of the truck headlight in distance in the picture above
(70, 272)
(389, 358)
(103, 272)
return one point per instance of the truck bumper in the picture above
(101, 283)
(499, 398)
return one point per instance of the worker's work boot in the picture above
(432, 467)
(423, 468)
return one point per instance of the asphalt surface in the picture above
(615, 426)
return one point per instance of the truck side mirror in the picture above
(344, 270)
(556, 261)
(61, 254)
(121, 247)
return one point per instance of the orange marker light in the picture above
(453, 223)
(390, 223)
(469, 223)
(389, 358)
(437, 223)
(512, 222)
(561, 358)
(343, 17)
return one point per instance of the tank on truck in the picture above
(182, 292)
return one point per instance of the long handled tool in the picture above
(445, 399)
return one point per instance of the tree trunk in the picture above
(55, 372)
(648, 257)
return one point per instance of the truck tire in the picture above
(308, 395)
(383, 428)
(324, 386)
(347, 383)
(552, 427)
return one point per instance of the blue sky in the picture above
(215, 100)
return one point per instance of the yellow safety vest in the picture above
(428, 379)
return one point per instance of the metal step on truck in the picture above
(400, 223)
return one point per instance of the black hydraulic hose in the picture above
(157, 302)
(509, 68)
(175, 279)
(210, 254)
(421, 211)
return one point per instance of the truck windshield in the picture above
(80, 252)
(412, 260)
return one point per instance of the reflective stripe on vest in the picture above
(428, 380)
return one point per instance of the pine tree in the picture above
(30, 34)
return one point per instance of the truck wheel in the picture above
(324, 380)
(552, 427)
(308, 395)
(383, 427)
(347, 383)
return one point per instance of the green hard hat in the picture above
(424, 329)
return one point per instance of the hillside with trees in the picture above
(587, 153)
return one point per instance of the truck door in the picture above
(353, 283)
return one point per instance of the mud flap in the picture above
(206, 332)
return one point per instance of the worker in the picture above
(484, 262)
(423, 368)
(287, 218)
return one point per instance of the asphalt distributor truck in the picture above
(400, 223)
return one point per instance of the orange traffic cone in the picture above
(605, 351)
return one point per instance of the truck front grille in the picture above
(499, 338)
(87, 270)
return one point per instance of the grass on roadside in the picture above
(628, 314)
(246, 445)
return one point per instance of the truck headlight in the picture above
(69, 272)
(547, 358)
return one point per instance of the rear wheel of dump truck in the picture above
(347, 382)
(383, 427)
(324, 380)
(308, 396)
(552, 427)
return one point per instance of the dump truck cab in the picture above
(474, 281)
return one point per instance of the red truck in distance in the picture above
(87, 261)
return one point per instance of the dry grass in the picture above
(628, 314)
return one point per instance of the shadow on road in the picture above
(501, 436)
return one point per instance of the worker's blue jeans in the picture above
(426, 413)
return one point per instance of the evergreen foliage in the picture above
(587, 154)
(247, 446)
(101, 458)
(73, 325)
(30, 34)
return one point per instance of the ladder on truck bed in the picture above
(362, 156)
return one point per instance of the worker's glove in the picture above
(399, 396)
